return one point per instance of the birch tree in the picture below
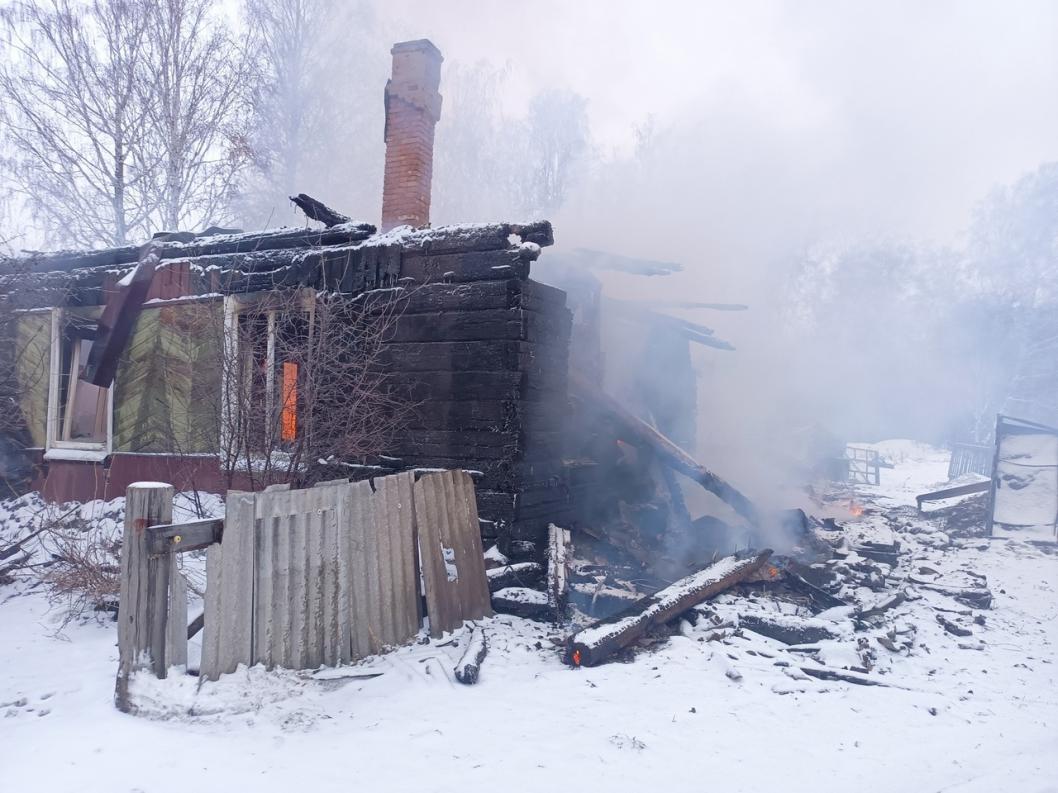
(73, 118)
(191, 91)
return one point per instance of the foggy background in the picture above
(872, 179)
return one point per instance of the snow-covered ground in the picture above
(694, 713)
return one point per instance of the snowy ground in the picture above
(693, 713)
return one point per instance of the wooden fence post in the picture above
(144, 605)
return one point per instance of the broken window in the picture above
(80, 411)
(272, 341)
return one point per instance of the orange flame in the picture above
(575, 657)
(773, 572)
(855, 509)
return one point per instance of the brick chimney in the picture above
(413, 107)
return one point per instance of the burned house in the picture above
(227, 359)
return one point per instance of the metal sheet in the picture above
(453, 566)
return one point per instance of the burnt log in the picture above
(520, 574)
(558, 558)
(788, 630)
(841, 676)
(522, 602)
(317, 210)
(970, 596)
(634, 430)
(469, 667)
(596, 643)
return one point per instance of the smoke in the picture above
(819, 161)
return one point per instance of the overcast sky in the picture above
(895, 115)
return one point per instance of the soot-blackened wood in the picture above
(483, 355)
(116, 323)
(523, 574)
(144, 593)
(826, 673)
(787, 630)
(522, 602)
(559, 553)
(820, 597)
(317, 210)
(596, 643)
(469, 667)
(65, 261)
(634, 430)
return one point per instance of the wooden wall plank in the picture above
(176, 623)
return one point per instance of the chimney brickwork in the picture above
(413, 106)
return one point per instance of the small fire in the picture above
(773, 572)
(855, 509)
(575, 657)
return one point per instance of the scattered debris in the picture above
(597, 643)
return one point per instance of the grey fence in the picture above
(970, 458)
(302, 578)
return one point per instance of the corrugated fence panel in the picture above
(395, 524)
(446, 516)
(330, 574)
(228, 639)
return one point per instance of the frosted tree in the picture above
(73, 118)
(491, 164)
(316, 104)
(191, 82)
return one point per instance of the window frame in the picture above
(57, 448)
(234, 307)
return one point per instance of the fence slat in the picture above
(176, 622)
(298, 627)
(209, 667)
(264, 584)
(237, 584)
(144, 601)
(332, 637)
(360, 527)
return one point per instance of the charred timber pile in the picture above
(597, 643)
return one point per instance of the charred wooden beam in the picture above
(519, 574)
(952, 492)
(521, 602)
(788, 630)
(116, 323)
(469, 667)
(634, 430)
(842, 676)
(598, 642)
(317, 210)
(558, 558)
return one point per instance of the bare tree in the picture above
(73, 118)
(316, 103)
(305, 385)
(191, 90)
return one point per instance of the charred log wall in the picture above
(484, 362)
